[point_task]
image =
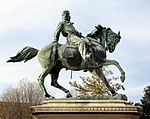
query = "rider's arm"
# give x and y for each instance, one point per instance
(79, 34)
(57, 32)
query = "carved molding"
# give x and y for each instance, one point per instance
(85, 109)
(111, 106)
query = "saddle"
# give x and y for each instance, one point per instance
(73, 57)
(72, 54)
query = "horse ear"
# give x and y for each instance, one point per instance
(96, 27)
(119, 33)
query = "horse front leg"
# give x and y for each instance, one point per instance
(114, 62)
(100, 73)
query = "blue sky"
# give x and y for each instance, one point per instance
(33, 22)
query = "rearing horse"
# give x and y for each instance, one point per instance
(53, 59)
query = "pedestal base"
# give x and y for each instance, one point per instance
(86, 109)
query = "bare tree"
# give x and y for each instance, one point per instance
(16, 102)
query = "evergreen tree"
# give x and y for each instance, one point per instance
(146, 103)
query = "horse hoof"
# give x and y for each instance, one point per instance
(122, 78)
(68, 95)
(114, 94)
(50, 98)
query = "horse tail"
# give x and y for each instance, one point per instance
(24, 54)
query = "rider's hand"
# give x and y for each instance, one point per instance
(80, 35)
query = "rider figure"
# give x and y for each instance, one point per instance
(68, 30)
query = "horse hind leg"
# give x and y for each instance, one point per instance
(54, 77)
(41, 79)
(56, 84)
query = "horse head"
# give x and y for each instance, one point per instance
(112, 39)
(106, 37)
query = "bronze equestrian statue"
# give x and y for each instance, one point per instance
(79, 53)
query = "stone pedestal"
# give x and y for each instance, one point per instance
(86, 109)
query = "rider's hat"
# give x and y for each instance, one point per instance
(65, 12)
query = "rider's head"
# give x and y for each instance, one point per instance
(66, 15)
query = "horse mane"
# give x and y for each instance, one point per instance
(98, 29)
(92, 34)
